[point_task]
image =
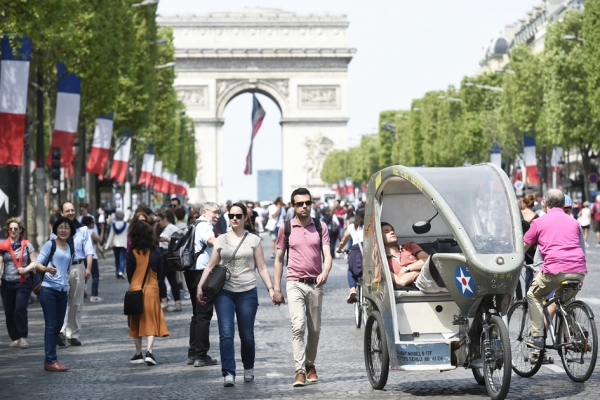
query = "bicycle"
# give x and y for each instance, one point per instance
(573, 335)
(361, 306)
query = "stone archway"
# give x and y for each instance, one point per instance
(300, 62)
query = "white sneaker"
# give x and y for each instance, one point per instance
(248, 375)
(95, 299)
(186, 295)
(229, 380)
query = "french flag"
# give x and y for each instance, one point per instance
(349, 186)
(173, 184)
(157, 176)
(166, 176)
(258, 115)
(100, 145)
(557, 154)
(496, 155)
(147, 168)
(334, 187)
(13, 101)
(121, 157)
(67, 115)
(533, 177)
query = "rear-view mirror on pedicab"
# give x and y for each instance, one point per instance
(475, 254)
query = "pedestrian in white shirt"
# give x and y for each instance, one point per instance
(117, 239)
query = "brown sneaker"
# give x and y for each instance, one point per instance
(300, 379)
(311, 374)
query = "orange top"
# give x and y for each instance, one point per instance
(408, 255)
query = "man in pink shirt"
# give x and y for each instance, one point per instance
(306, 275)
(558, 237)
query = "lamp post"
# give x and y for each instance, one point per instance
(486, 87)
(455, 99)
(167, 65)
(574, 38)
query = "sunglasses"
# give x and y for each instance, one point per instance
(173, 205)
(13, 229)
(303, 203)
(238, 216)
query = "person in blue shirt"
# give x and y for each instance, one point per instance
(54, 293)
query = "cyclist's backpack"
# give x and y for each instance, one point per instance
(287, 230)
(181, 254)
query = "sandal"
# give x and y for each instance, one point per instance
(14, 344)
(24, 344)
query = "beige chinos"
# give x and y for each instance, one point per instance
(305, 305)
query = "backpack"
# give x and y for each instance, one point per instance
(181, 254)
(333, 228)
(39, 277)
(287, 230)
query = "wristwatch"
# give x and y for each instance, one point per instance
(269, 288)
(407, 268)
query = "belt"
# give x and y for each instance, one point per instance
(308, 281)
(78, 261)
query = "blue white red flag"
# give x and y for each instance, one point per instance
(120, 162)
(14, 78)
(533, 178)
(147, 168)
(100, 145)
(258, 115)
(67, 115)
(496, 155)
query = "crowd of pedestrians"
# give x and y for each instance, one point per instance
(227, 235)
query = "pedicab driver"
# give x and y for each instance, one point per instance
(558, 237)
(306, 275)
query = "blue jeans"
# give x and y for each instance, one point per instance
(244, 305)
(54, 305)
(120, 256)
(352, 279)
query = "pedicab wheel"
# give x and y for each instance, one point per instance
(358, 305)
(377, 357)
(526, 361)
(578, 332)
(478, 376)
(497, 359)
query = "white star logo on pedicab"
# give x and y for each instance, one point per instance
(464, 281)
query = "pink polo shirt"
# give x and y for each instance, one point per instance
(305, 250)
(558, 238)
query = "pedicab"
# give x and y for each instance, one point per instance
(467, 219)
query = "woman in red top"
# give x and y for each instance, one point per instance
(405, 260)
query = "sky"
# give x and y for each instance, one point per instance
(405, 48)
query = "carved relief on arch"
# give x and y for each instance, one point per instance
(317, 148)
(193, 96)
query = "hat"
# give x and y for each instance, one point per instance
(568, 201)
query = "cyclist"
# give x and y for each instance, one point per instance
(558, 237)
(354, 231)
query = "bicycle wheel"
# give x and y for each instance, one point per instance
(358, 306)
(526, 361)
(377, 356)
(497, 358)
(581, 342)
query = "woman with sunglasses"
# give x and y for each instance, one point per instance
(239, 295)
(16, 254)
(54, 293)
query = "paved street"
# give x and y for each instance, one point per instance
(101, 369)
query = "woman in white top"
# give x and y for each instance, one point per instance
(585, 220)
(118, 240)
(354, 231)
(166, 221)
(239, 295)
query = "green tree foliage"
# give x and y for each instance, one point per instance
(591, 49)
(401, 153)
(387, 133)
(568, 114)
(335, 166)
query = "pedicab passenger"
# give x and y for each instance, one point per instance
(408, 263)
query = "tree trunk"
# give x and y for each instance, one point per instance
(584, 151)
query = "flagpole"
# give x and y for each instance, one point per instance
(40, 173)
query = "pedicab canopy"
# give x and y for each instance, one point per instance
(477, 208)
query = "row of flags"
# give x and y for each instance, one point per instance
(343, 187)
(14, 75)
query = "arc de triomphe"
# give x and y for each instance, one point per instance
(299, 61)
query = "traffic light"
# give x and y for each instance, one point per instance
(56, 163)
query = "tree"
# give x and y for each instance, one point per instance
(401, 151)
(335, 167)
(387, 131)
(568, 113)
(591, 50)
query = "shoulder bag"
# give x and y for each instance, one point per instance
(133, 303)
(218, 275)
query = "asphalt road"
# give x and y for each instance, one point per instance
(100, 368)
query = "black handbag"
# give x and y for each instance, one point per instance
(218, 275)
(133, 303)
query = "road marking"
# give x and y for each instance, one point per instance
(274, 375)
(555, 368)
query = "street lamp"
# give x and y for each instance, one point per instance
(167, 65)
(504, 71)
(145, 3)
(487, 87)
(573, 37)
(450, 99)
(159, 41)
